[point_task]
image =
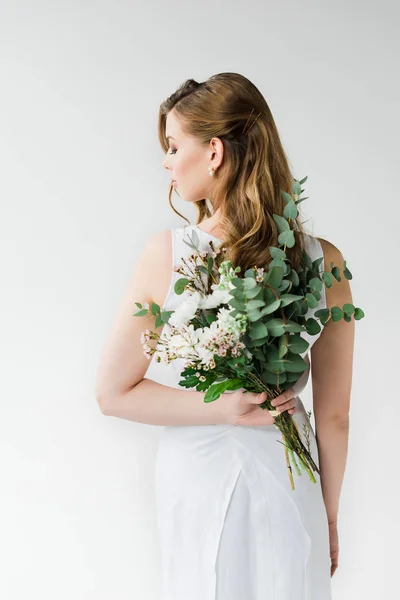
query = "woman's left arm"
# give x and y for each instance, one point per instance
(331, 374)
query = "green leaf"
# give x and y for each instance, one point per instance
(336, 273)
(252, 304)
(250, 273)
(348, 309)
(293, 327)
(237, 293)
(281, 223)
(315, 284)
(283, 347)
(358, 314)
(154, 308)
(258, 330)
(328, 278)
(139, 305)
(308, 263)
(296, 187)
(297, 344)
(287, 299)
(159, 322)
(165, 315)
(140, 313)
(277, 252)
(336, 313)
(276, 327)
(238, 304)
(215, 390)
(274, 277)
(347, 273)
(238, 282)
(270, 308)
(249, 283)
(295, 363)
(210, 262)
(278, 262)
(312, 302)
(210, 318)
(312, 326)
(254, 315)
(274, 362)
(287, 237)
(254, 292)
(322, 314)
(318, 261)
(287, 197)
(290, 211)
(180, 284)
(294, 278)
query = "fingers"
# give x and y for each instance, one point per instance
(285, 401)
(254, 398)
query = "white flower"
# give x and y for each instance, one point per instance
(215, 299)
(186, 310)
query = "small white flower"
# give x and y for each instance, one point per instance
(186, 310)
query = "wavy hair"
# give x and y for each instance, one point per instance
(247, 185)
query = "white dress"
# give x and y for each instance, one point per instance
(230, 526)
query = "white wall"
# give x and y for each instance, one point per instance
(82, 187)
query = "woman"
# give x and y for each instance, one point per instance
(230, 525)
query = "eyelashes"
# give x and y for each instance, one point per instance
(171, 152)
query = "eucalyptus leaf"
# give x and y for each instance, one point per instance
(287, 299)
(276, 327)
(290, 211)
(258, 330)
(328, 278)
(252, 304)
(270, 308)
(295, 363)
(312, 326)
(281, 223)
(277, 252)
(180, 284)
(287, 238)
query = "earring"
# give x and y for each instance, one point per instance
(211, 171)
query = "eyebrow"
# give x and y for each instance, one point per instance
(169, 137)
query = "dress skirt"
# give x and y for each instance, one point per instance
(230, 526)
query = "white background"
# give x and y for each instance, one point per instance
(81, 189)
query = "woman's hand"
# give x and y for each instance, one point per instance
(241, 407)
(333, 544)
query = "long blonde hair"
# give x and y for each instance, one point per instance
(248, 184)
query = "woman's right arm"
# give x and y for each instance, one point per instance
(121, 387)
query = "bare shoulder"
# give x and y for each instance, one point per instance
(340, 292)
(157, 264)
(331, 252)
(158, 243)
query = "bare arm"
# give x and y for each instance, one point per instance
(121, 389)
(331, 372)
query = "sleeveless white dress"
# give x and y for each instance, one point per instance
(230, 526)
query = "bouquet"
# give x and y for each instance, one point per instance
(244, 332)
